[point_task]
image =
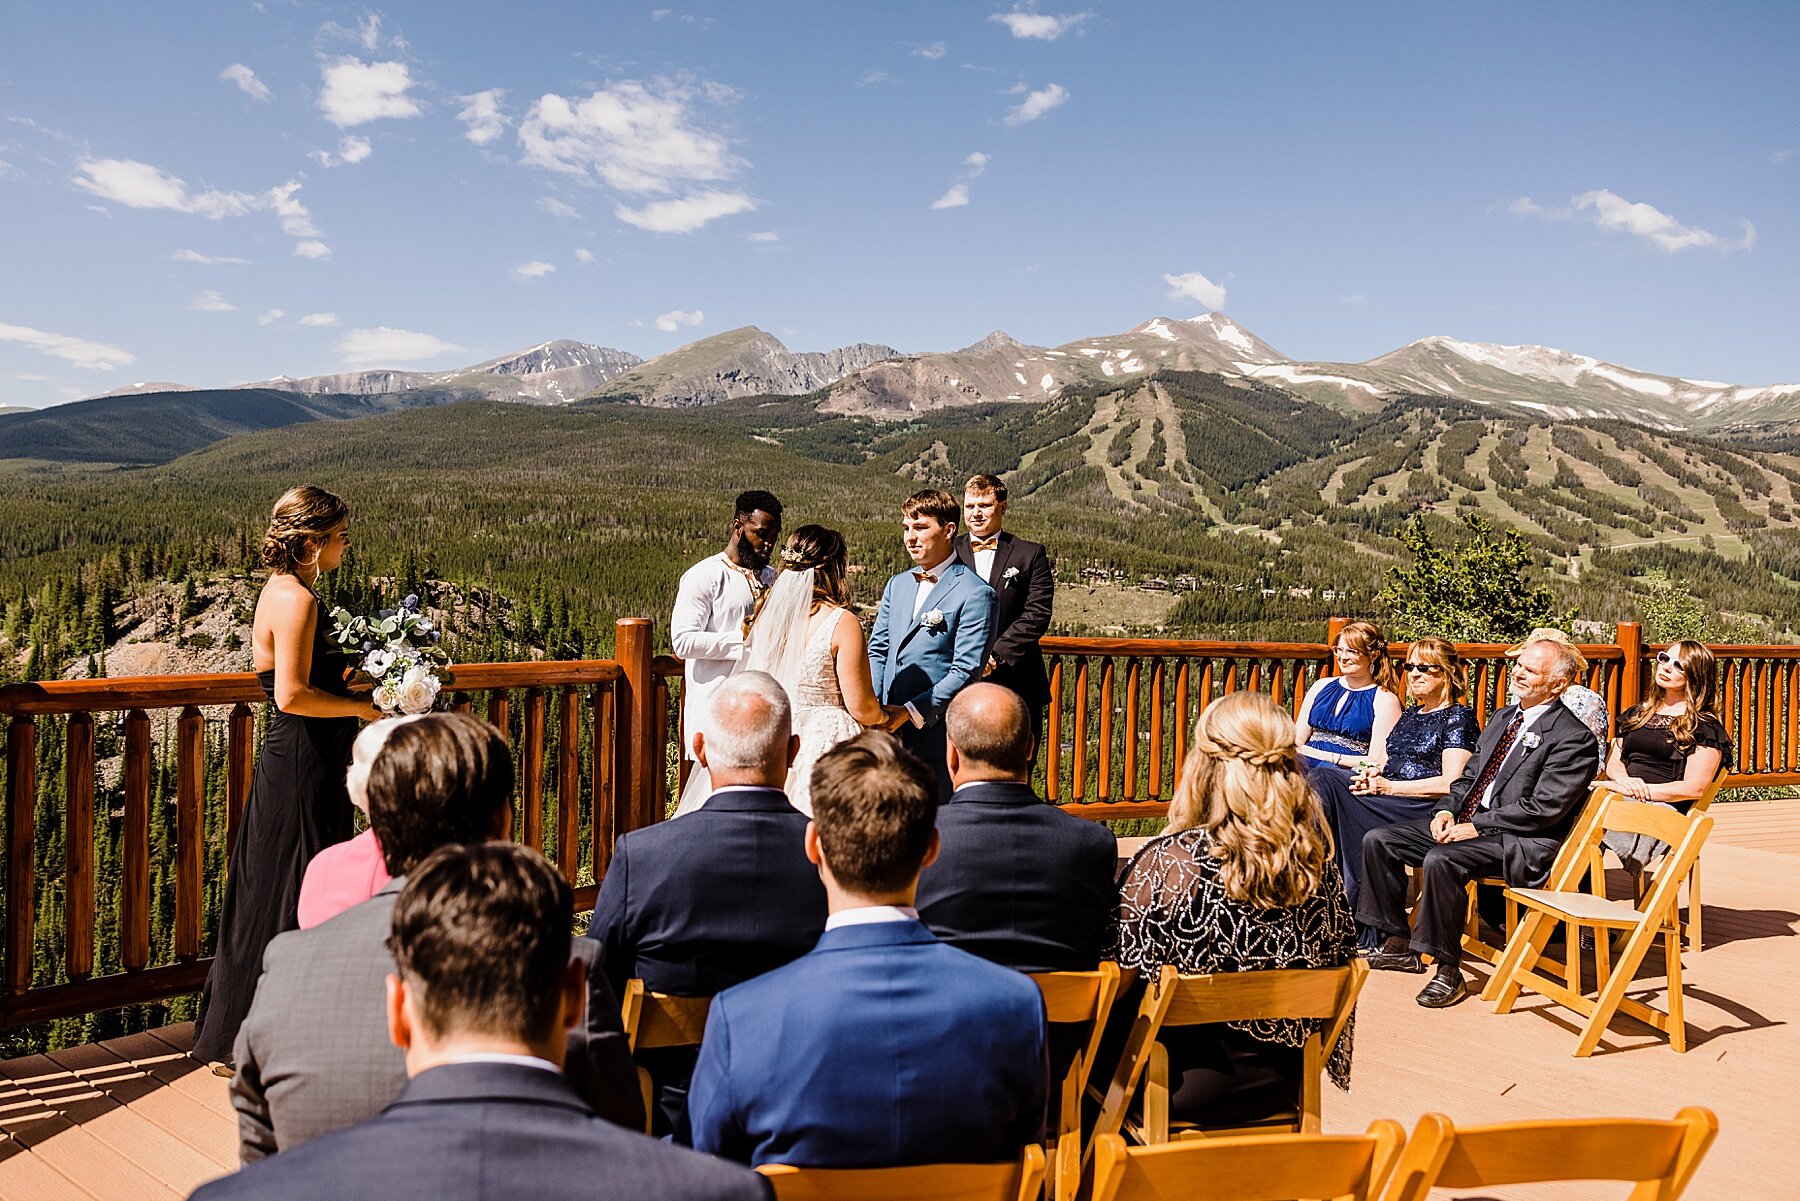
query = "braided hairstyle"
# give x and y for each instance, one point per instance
(303, 518)
(1242, 783)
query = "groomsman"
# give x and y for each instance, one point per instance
(715, 596)
(1019, 573)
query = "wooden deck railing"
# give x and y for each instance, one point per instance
(169, 761)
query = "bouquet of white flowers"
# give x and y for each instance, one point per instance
(400, 653)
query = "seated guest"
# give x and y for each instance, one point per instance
(883, 1046)
(1507, 815)
(483, 996)
(1243, 880)
(1580, 700)
(349, 873)
(1670, 746)
(695, 905)
(1428, 747)
(313, 1055)
(1345, 718)
(1018, 882)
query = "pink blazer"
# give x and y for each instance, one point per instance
(341, 876)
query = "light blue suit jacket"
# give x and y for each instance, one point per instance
(881, 1047)
(915, 661)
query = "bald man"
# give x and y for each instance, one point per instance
(1017, 881)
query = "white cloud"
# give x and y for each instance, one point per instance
(558, 208)
(661, 14)
(1782, 156)
(356, 92)
(142, 186)
(977, 163)
(369, 31)
(535, 269)
(210, 301)
(932, 52)
(296, 221)
(872, 77)
(481, 116)
(1036, 104)
(767, 235)
(1524, 206)
(686, 214)
(1615, 214)
(955, 198)
(319, 320)
(382, 346)
(92, 356)
(246, 80)
(354, 149)
(194, 256)
(311, 249)
(641, 139)
(583, 255)
(1194, 286)
(674, 319)
(269, 316)
(1039, 27)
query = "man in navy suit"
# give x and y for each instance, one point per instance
(933, 630)
(1024, 593)
(695, 905)
(483, 992)
(884, 1046)
(1016, 881)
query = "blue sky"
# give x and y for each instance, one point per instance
(211, 193)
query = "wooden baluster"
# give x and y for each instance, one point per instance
(568, 783)
(1792, 762)
(1759, 755)
(1078, 787)
(1275, 680)
(1103, 790)
(641, 763)
(1231, 677)
(1480, 692)
(1746, 710)
(531, 754)
(1131, 728)
(499, 712)
(1728, 694)
(240, 769)
(190, 829)
(1158, 715)
(78, 846)
(21, 846)
(1255, 675)
(605, 780)
(1631, 667)
(460, 702)
(1053, 733)
(1181, 717)
(134, 902)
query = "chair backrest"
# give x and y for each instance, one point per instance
(1659, 1156)
(1264, 1167)
(1712, 790)
(1018, 1181)
(654, 1019)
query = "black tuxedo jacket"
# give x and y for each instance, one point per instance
(1021, 614)
(1018, 881)
(494, 1131)
(695, 905)
(1538, 794)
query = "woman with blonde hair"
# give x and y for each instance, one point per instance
(1244, 879)
(298, 802)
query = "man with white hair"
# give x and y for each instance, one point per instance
(697, 904)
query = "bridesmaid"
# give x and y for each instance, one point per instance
(298, 802)
(1345, 718)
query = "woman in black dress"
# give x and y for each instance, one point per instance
(298, 803)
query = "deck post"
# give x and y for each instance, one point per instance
(1333, 627)
(640, 763)
(1631, 671)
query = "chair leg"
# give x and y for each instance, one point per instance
(1694, 907)
(1522, 951)
(1156, 1096)
(1677, 1009)
(1643, 937)
(1602, 956)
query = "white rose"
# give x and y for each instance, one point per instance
(377, 662)
(418, 691)
(387, 696)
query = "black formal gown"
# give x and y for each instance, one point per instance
(298, 806)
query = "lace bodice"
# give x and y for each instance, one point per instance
(818, 686)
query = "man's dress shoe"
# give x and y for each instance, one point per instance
(1442, 991)
(1395, 961)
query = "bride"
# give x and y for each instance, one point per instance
(806, 636)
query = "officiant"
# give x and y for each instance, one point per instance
(716, 595)
(1019, 573)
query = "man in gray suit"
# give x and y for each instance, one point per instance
(313, 1054)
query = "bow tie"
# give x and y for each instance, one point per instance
(984, 543)
(924, 577)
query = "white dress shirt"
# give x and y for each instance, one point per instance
(524, 1061)
(1530, 715)
(984, 559)
(707, 630)
(870, 915)
(926, 590)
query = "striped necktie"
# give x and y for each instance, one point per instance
(1491, 768)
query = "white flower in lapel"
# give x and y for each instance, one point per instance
(1530, 739)
(932, 619)
(1006, 577)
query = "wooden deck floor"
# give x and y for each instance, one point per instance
(135, 1118)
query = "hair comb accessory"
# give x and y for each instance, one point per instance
(791, 556)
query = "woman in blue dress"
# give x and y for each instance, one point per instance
(1345, 718)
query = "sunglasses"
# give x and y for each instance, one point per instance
(1430, 669)
(1664, 657)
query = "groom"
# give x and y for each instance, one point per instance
(932, 633)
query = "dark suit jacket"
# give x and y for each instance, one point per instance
(313, 1054)
(1018, 881)
(1538, 794)
(486, 1131)
(1022, 614)
(882, 1047)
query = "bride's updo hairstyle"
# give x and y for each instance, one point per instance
(824, 551)
(1242, 782)
(303, 518)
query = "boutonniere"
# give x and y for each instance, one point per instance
(1531, 740)
(932, 619)
(1006, 577)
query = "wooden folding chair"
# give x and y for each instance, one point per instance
(1071, 997)
(1659, 1157)
(1264, 1167)
(1657, 918)
(1690, 929)
(654, 1020)
(1018, 1181)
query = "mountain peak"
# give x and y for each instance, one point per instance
(998, 340)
